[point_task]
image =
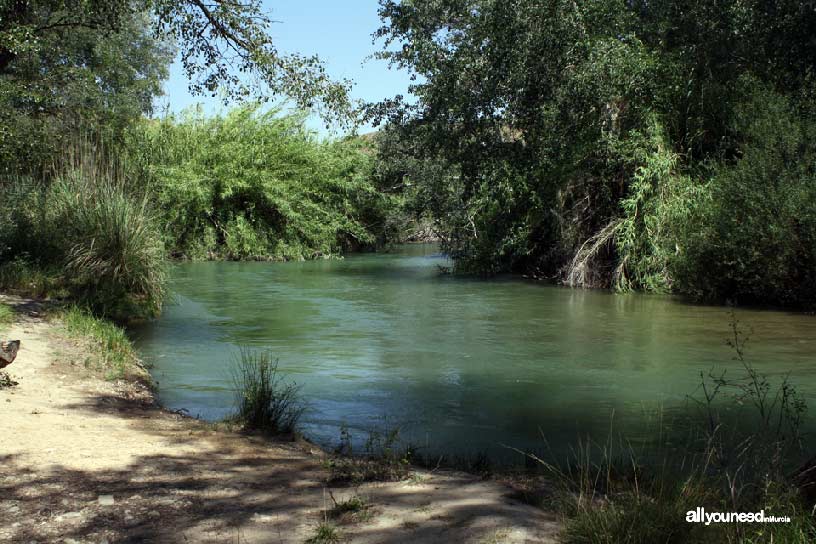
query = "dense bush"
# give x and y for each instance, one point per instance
(257, 185)
(85, 235)
(752, 239)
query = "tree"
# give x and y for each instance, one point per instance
(224, 44)
(585, 136)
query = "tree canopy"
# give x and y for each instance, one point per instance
(577, 138)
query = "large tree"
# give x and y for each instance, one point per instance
(80, 69)
(578, 139)
(225, 44)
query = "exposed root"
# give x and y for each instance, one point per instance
(581, 273)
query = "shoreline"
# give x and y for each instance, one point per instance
(95, 460)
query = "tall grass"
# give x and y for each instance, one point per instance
(115, 254)
(84, 234)
(614, 493)
(265, 400)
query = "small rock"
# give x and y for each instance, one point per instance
(153, 514)
(69, 515)
(105, 500)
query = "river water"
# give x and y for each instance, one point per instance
(459, 365)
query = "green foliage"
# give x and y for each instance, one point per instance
(69, 80)
(659, 198)
(753, 239)
(256, 185)
(220, 44)
(6, 315)
(325, 533)
(584, 141)
(109, 349)
(265, 401)
(85, 234)
(114, 251)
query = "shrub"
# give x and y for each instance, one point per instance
(266, 402)
(325, 533)
(86, 235)
(753, 238)
(258, 185)
(353, 509)
(382, 459)
(113, 252)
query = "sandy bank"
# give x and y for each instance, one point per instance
(88, 460)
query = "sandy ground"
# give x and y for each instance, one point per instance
(86, 460)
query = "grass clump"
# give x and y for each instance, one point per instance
(381, 460)
(352, 510)
(110, 350)
(85, 235)
(114, 254)
(266, 402)
(325, 533)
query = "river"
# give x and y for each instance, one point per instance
(459, 365)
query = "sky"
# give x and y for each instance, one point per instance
(337, 31)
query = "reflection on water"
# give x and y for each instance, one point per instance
(460, 364)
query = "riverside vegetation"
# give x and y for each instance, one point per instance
(631, 145)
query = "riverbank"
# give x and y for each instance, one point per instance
(85, 459)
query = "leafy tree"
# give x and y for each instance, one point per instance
(221, 43)
(85, 69)
(583, 137)
(254, 185)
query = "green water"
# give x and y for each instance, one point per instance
(459, 365)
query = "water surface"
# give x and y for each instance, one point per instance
(458, 364)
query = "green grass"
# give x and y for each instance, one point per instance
(109, 349)
(20, 277)
(113, 254)
(265, 401)
(86, 235)
(325, 533)
(6, 316)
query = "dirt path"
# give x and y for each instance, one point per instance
(85, 460)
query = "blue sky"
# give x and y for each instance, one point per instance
(338, 31)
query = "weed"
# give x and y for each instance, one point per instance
(352, 510)
(6, 315)
(325, 533)
(382, 458)
(110, 350)
(265, 401)
(615, 494)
